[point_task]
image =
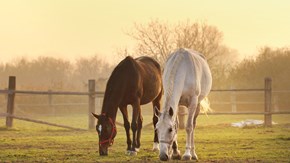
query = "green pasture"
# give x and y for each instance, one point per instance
(216, 141)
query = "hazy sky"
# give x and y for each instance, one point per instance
(79, 28)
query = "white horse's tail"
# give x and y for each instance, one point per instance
(205, 106)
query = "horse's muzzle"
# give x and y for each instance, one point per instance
(103, 152)
(163, 157)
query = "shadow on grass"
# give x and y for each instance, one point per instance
(4, 128)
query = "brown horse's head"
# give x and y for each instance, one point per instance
(107, 131)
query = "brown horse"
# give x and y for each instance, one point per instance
(133, 82)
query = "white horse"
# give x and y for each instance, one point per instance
(187, 81)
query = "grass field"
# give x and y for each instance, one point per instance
(216, 141)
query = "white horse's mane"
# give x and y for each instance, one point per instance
(169, 89)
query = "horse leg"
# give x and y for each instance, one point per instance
(134, 125)
(176, 153)
(189, 128)
(140, 123)
(156, 105)
(194, 156)
(126, 126)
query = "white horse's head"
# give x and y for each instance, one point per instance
(167, 133)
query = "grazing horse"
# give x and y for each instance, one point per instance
(187, 81)
(133, 82)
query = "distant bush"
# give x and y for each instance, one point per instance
(274, 63)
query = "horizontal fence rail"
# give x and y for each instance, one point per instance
(237, 90)
(58, 104)
(245, 113)
(92, 94)
(41, 122)
(50, 92)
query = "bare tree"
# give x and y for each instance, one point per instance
(158, 39)
(201, 37)
(124, 52)
(154, 39)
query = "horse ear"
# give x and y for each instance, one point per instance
(156, 112)
(95, 115)
(171, 111)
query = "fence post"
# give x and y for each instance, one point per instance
(10, 101)
(6, 95)
(92, 90)
(50, 102)
(268, 96)
(276, 103)
(233, 100)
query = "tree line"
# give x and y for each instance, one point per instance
(46, 73)
(270, 62)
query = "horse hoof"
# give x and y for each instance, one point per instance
(133, 153)
(194, 157)
(128, 152)
(137, 149)
(176, 157)
(186, 157)
(155, 149)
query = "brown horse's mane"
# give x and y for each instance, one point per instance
(117, 85)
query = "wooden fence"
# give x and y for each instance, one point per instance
(11, 92)
(92, 93)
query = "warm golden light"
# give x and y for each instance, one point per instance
(73, 29)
